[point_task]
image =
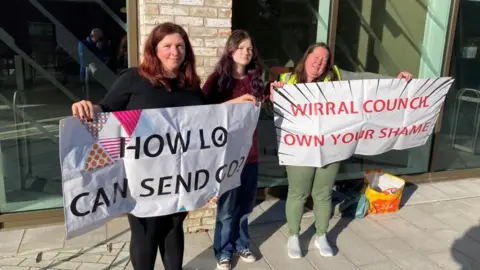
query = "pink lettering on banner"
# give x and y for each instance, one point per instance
(348, 107)
(327, 108)
(304, 140)
(353, 137)
(349, 137)
(404, 131)
(380, 105)
(355, 117)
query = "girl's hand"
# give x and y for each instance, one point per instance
(273, 85)
(85, 110)
(405, 75)
(243, 99)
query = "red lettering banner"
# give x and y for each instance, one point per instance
(321, 123)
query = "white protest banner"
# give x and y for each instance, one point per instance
(321, 123)
(151, 162)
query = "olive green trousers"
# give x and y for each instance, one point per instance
(306, 181)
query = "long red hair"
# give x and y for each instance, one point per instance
(151, 67)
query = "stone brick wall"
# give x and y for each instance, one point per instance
(208, 24)
(201, 220)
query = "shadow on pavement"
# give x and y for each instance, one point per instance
(466, 250)
(408, 192)
(334, 232)
(86, 250)
(261, 229)
(206, 259)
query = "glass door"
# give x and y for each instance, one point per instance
(52, 53)
(458, 145)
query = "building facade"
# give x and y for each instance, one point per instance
(44, 68)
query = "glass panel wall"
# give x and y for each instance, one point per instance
(52, 53)
(458, 145)
(387, 37)
(282, 29)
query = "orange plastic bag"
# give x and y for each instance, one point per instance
(384, 192)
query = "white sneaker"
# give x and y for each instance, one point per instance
(293, 246)
(247, 256)
(224, 264)
(322, 244)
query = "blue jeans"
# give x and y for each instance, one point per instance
(234, 206)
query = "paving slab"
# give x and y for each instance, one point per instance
(10, 243)
(355, 248)
(273, 249)
(403, 255)
(42, 238)
(453, 260)
(93, 238)
(437, 228)
(118, 230)
(421, 219)
(340, 261)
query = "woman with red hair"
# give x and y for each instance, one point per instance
(166, 78)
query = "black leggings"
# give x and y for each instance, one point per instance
(153, 233)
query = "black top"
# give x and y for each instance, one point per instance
(133, 92)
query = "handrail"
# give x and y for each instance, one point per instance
(87, 83)
(112, 14)
(106, 8)
(10, 42)
(69, 42)
(19, 154)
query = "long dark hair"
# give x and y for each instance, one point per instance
(152, 69)
(301, 74)
(224, 67)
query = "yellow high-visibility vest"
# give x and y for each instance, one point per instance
(290, 78)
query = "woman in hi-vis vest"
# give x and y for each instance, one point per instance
(315, 66)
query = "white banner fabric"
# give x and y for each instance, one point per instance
(321, 123)
(151, 162)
